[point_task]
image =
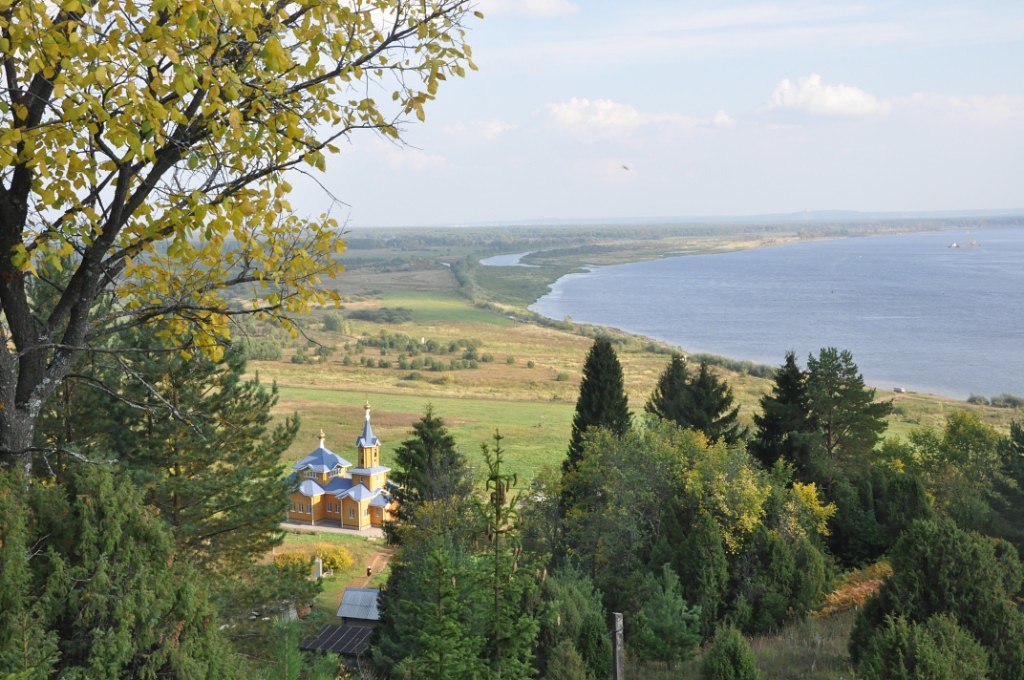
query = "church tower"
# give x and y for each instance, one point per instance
(368, 446)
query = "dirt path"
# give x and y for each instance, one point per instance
(378, 563)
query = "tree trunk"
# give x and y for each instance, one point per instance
(17, 430)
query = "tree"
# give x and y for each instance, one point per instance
(602, 401)
(936, 649)
(572, 618)
(90, 586)
(849, 421)
(671, 398)
(666, 629)
(784, 426)
(931, 577)
(729, 658)
(194, 435)
(145, 148)
(428, 467)
(711, 409)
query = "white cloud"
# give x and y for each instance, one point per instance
(722, 119)
(408, 158)
(810, 95)
(541, 9)
(480, 129)
(604, 118)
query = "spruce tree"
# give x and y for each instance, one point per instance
(602, 401)
(712, 411)
(671, 398)
(428, 467)
(666, 629)
(784, 426)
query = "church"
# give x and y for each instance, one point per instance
(327, 487)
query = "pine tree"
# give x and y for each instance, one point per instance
(784, 426)
(428, 467)
(671, 398)
(197, 437)
(712, 411)
(602, 401)
(849, 421)
(704, 571)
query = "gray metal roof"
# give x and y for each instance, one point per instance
(321, 460)
(369, 471)
(310, 488)
(359, 603)
(358, 493)
(345, 640)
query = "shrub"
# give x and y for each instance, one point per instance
(332, 322)
(335, 557)
(562, 377)
(937, 649)
(382, 315)
(729, 658)
(261, 349)
(293, 558)
(510, 359)
(566, 664)
(531, 364)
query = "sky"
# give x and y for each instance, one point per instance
(601, 109)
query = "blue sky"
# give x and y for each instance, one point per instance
(715, 107)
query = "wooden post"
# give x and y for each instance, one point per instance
(618, 649)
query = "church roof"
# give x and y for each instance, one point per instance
(369, 471)
(358, 493)
(380, 501)
(310, 488)
(338, 486)
(367, 438)
(321, 460)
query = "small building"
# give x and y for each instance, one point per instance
(359, 607)
(328, 487)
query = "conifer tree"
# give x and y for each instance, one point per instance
(849, 421)
(602, 401)
(666, 629)
(671, 397)
(104, 594)
(712, 409)
(784, 426)
(429, 468)
(196, 436)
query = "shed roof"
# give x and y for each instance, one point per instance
(359, 603)
(346, 640)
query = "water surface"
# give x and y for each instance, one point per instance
(914, 312)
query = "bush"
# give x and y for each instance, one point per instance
(510, 359)
(261, 349)
(293, 558)
(332, 322)
(531, 364)
(562, 377)
(382, 315)
(566, 664)
(729, 658)
(335, 557)
(937, 649)
(941, 569)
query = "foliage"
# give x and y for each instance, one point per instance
(144, 149)
(194, 435)
(90, 586)
(784, 428)
(712, 411)
(261, 349)
(665, 629)
(729, 658)
(572, 618)
(848, 420)
(443, 645)
(670, 399)
(774, 580)
(566, 664)
(602, 402)
(872, 511)
(388, 315)
(929, 579)
(936, 649)
(334, 557)
(332, 322)
(294, 558)
(703, 569)
(428, 468)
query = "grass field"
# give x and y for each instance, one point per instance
(530, 400)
